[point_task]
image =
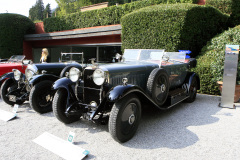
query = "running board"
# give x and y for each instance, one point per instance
(174, 97)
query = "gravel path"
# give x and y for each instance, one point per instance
(198, 131)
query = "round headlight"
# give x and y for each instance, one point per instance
(98, 77)
(74, 74)
(17, 74)
(29, 74)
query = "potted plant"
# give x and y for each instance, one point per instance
(237, 90)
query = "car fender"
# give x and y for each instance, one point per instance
(66, 84)
(6, 76)
(41, 77)
(120, 91)
(62, 83)
(115, 94)
(189, 79)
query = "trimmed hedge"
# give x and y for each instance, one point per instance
(172, 27)
(100, 17)
(13, 27)
(211, 60)
(231, 7)
(224, 6)
(235, 16)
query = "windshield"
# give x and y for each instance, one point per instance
(176, 56)
(131, 54)
(77, 57)
(142, 54)
(16, 58)
(153, 55)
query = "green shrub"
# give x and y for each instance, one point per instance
(235, 16)
(211, 60)
(100, 17)
(231, 7)
(13, 27)
(172, 27)
(224, 6)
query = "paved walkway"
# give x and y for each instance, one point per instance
(200, 130)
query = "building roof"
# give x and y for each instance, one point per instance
(94, 6)
(76, 33)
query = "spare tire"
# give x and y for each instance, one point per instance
(158, 86)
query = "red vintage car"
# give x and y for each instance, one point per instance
(14, 62)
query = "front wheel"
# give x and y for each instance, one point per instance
(41, 97)
(60, 105)
(8, 86)
(124, 118)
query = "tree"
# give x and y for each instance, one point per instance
(68, 6)
(47, 11)
(72, 6)
(36, 12)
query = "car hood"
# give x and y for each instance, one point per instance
(7, 67)
(128, 67)
(10, 64)
(51, 68)
(136, 72)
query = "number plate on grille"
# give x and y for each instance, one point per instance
(12, 98)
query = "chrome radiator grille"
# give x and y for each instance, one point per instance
(91, 90)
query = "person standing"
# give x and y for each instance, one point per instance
(44, 57)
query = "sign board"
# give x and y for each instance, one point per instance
(6, 116)
(61, 147)
(229, 76)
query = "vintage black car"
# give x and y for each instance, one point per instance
(35, 85)
(114, 93)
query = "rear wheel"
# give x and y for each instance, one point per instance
(41, 97)
(158, 85)
(124, 118)
(8, 86)
(60, 105)
(192, 91)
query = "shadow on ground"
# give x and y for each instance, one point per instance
(160, 129)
